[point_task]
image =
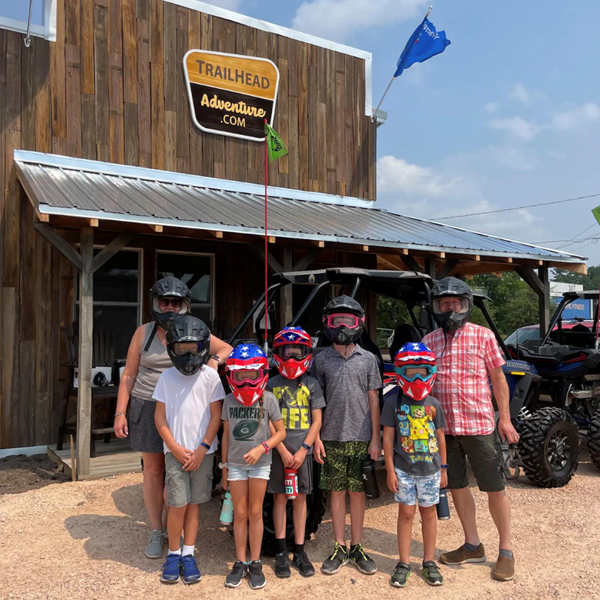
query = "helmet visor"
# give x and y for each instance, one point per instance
(293, 351)
(343, 320)
(246, 375)
(182, 348)
(412, 372)
(456, 304)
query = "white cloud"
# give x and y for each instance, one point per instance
(519, 93)
(228, 4)
(339, 19)
(491, 107)
(513, 158)
(575, 118)
(516, 126)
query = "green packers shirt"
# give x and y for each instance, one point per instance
(249, 427)
(297, 399)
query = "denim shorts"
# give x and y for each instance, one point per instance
(243, 473)
(425, 488)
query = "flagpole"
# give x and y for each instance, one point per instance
(266, 342)
(387, 89)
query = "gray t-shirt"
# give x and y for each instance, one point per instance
(346, 382)
(249, 427)
(415, 423)
(297, 399)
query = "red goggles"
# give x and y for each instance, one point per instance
(343, 320)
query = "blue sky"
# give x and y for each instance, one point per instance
(508, 115)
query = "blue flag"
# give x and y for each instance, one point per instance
(424, 43)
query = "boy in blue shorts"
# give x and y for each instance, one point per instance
(415, 455)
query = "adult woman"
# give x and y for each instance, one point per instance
(147, 358)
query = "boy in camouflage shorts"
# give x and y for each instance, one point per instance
(350, 379)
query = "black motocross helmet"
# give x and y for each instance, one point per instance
(448, 287)
(343, 320)
(169, 287)
(188, 343)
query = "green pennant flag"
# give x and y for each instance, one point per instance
(596, 213)
(275, 146)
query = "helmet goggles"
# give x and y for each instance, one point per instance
(348, 320)
(413, 372)
(183, 348)
(293, 351)
(246, 376)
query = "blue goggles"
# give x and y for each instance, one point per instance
(413, 372)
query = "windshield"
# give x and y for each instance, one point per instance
(522, 335)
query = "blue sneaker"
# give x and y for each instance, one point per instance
(190, 573)
(171, 569)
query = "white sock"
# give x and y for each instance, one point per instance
(178, 551)
(188, 550)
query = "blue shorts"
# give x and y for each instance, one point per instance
(243, 473)
(425, 488)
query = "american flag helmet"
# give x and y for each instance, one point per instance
(247, 373)
(415, 366)
(292, 351)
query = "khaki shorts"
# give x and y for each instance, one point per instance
(188, 487)
(485, 457)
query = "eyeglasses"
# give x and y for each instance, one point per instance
(343, 320)
(174, 302)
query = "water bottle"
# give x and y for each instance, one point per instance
(291, 483)
(442, 507)
(370, 479)
(227, 510)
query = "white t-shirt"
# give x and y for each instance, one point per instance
(187, 400)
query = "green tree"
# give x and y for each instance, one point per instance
(591, 281)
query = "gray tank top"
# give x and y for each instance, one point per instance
(152, 364)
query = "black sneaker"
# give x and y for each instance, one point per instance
(336, 561)
(401, 575)
(257, 577)
(362, 561)
(238, 572)
(432, 573)
(303, 564)
(282, 565)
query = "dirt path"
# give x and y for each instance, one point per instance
(69, 541)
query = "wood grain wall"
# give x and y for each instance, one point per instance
(112, 89)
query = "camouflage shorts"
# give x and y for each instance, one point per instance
(342, 469)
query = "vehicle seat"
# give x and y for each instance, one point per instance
(404, 334)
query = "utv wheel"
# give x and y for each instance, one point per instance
(549, 447)
(315, 509)
(594, 439)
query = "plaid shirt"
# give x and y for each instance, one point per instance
(464, 361)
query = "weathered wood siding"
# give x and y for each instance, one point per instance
(112, 89)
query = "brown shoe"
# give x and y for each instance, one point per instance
(462, 556)
(504, 569)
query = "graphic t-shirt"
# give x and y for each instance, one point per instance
(187, 400)
(297, 398)
(415, 423)
(249, 427)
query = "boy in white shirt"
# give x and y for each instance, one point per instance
(188, 416)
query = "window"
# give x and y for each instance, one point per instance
(196, 271)
(15, 16)
(117, 298)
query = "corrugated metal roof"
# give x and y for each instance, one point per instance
(65, 186)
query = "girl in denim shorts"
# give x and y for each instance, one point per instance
(246, 446)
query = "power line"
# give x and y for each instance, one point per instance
(489, 212)
(576, 236)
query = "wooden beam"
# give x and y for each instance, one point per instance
(531, 279)
(365, 248)
(412, 264)
(157, 228)
(404, 251)
(544, 301)
(93, 222)
(389, 262)
(430, 266)
(86, 335)
(273, 262)
(285, 294)
(217, 234)
(580, 268)
(115, 246)
(58, 242)
(306, 261)
(482, 268)
(272, 239)
(44, 218)
(447, 268)
(319, 243)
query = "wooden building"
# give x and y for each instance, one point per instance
(106, 184)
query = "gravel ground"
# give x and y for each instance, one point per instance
(85, 541)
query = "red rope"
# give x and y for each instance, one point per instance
(266, 237)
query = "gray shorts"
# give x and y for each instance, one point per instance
(143, 435)
(188, 487)
(305, 476)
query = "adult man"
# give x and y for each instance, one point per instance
(467, 358)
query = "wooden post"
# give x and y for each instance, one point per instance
(286, 312)
(430, 266)
(86, 326)
(544, 299)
